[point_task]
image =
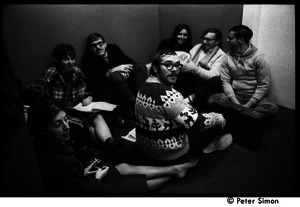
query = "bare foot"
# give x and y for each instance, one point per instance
(184, 167)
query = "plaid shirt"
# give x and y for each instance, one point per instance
(52, 84)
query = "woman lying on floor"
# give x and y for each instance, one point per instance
(64, 174)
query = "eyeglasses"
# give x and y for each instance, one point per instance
(207, 39)
(100, 44)
(170, 66)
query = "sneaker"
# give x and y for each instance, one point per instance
(219, 144)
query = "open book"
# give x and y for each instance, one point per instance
(96, 106)
(130, 136)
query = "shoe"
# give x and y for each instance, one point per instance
(219, 144)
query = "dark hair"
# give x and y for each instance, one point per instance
(93, 37)
(242, 31)
(178, 29)
(158, 57)
(62, 51)
(214, 30)
(40, 114)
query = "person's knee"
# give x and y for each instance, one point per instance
(116, 77)
(98, 119)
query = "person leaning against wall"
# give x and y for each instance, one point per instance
(245, 73)
(111, 74)
(65, 84)
(200, 76)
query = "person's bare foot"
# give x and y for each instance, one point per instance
(184, 167)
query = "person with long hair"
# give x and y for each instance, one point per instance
(181, 39)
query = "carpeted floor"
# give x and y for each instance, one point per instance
(267, 171)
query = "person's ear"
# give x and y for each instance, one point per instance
(154, 67)
(241, 40)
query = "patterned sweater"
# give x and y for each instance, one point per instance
(162, 118)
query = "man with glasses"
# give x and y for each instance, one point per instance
(110, 74)
(168, 130)
(199, 76)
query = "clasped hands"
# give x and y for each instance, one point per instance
(100, 173)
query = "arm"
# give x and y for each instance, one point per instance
(193, 120)
(263, 79)
(204, 62)
(189, 118)
(226, 80)
(191, 67)
(118, 61)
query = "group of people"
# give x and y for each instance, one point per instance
(172, 129)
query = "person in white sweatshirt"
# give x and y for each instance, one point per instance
(245, 73)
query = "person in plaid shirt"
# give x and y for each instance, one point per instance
(65, 84)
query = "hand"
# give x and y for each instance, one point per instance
(188, 66)
(125, 75)
(101, 172)
(88, 171)
(183, 58)
(126, 68)
(247, 105)
(87, 101)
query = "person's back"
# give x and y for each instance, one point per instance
(168, 130)
(157, 106)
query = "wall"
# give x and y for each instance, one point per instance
(199, 18)
(31, 32)
(274, 34)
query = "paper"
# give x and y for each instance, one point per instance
(96, 106)
(130, 136)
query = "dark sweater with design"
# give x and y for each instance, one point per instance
(162, 118)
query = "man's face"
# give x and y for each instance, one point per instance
(233, 42)
(59, 129)
(167, 71)
(98, 47)
(209, 41)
